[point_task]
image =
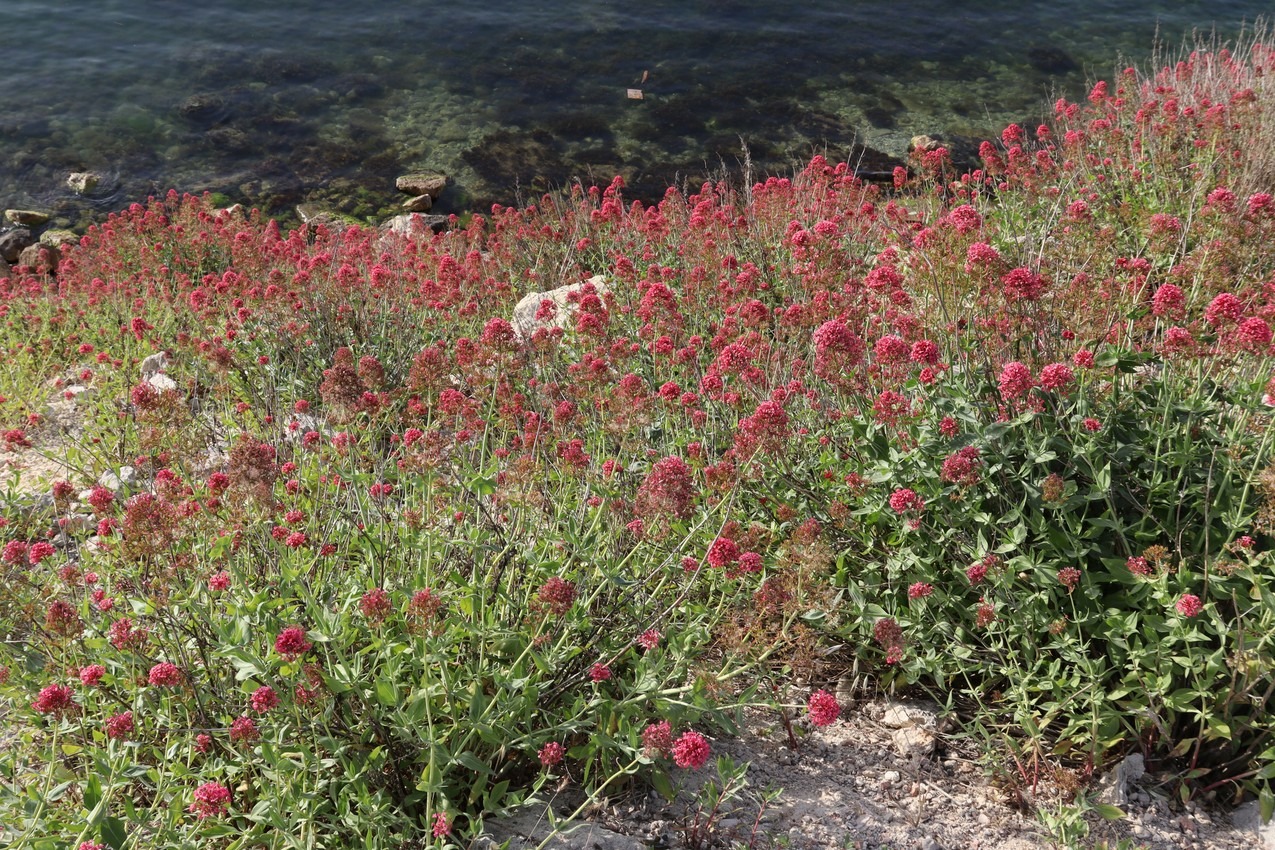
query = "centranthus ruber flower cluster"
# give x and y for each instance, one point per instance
(937, 433)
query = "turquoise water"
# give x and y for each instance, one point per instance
(273, 104)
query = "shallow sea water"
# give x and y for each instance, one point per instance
(273, 104)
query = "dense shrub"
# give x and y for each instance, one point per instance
(390, 563)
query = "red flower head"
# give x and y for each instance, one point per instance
(904, 500)
(1252, 335)
(690, 750)
(375, 605)
(551, 754)
(15, 552)
(962, 467)
(557, 595)
(669, 490)
(1223, 309)
(823, 708)
(123, 635)
(657, 739)
(925, 352)
(62, 619)
(244, 729)
(422, 608)
(1016, 380)
(889, 634)
(649, 639)
(165, 674)
(263, 699)
(54, 699)
(1189, 605)
(837, 349)
(723, 552)
(1169, 302)
(39, 551)
(1024, 285)
(120, 726)
(212, 799)
(891, 349)
(1069, 577)
(920, 590)
(1056, 376)
(291, 643)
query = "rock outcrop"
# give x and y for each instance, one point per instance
(524, 319)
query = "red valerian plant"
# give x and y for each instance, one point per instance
(210, 800)
(965, 429)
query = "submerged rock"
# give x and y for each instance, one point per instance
(203, 107)
(27, 218)
(510, 160)
(1051, 60)
(83, 182)
(229, 139)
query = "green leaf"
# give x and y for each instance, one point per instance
(482, 486)
(92, 792)
(660, 782)
(494, 799)
(1108, 812)
(58, 792)
(431, 781)
(113, 833)
(474, 763)
(247, 666)
(386, 693)
(477, 702)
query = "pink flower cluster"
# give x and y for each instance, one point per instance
(823, 708)
(210, 800)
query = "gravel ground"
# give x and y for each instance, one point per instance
(885, 775)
